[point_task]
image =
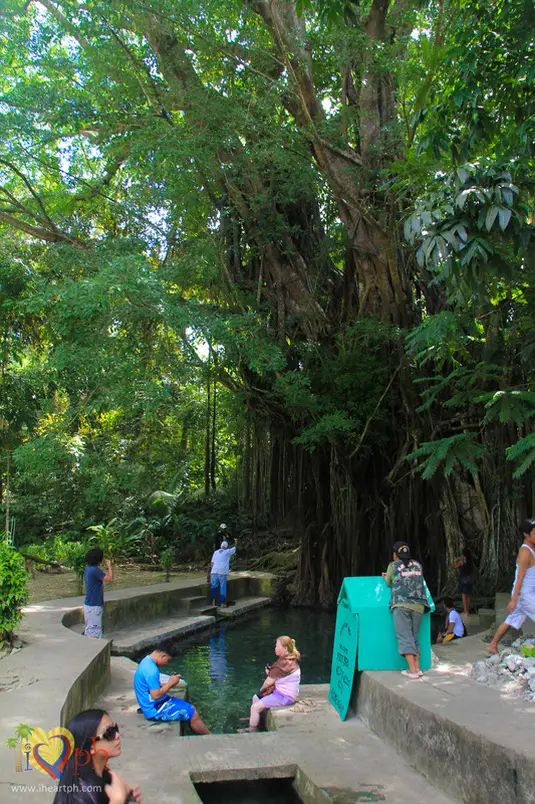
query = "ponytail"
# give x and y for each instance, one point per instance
(289, 643)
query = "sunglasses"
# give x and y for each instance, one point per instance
(110, 733)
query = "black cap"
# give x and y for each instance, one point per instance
(402, 549)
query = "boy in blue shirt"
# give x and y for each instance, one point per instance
(94, 577)
(153, 696)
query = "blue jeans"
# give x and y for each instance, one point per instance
(221, 581)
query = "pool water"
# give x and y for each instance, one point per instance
(224, 669)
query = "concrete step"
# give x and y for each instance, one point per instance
(487, 617)
(209, 611)
(193, 603)
(242, 606)
(132, 640)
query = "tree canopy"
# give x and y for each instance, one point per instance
(276, 250)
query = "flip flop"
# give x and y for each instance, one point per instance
(408, 674)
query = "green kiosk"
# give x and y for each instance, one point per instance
(364, 637)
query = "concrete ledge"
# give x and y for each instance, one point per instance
(126, 607)
(469, 740)
(330, 761)
(133, 640)
(59, 672)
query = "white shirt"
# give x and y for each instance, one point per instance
(221, 560)
(455, 618)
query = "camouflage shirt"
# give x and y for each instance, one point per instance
(407, 582)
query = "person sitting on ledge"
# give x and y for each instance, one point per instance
(153, 696)
(454, 625)
(281, 687)
(407, 604)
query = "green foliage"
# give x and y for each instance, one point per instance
(170, 224)
(37, 550)
(464, 225)
(524, 451)
(13, 589)
(460, 451)
(167, 559)
(75, 558)
(118, 540)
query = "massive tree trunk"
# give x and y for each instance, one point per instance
(376, 281)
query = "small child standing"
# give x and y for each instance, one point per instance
(94, 577)
(454, 625)
(281, 687)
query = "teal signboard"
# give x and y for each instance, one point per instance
(344, 659)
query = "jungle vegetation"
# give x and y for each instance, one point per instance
(273, 261)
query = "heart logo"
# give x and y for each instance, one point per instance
(50, 750)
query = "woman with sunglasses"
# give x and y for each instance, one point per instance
(86, 778)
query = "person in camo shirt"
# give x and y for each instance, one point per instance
(407, 604)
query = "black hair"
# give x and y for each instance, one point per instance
(527, 526)
(78, 772)
(468, 558)
(448, 602)
(165, 646)
(94, 556)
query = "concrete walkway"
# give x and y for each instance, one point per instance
(334, 761)
(59, 673)
(448, 721)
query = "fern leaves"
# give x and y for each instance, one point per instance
(460, 450)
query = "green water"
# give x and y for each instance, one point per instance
(224, 669)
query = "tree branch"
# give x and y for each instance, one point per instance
(38, 232)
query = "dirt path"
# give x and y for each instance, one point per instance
(52, 585)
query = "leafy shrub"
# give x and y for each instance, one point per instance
(167, 559)
(75, 559)
(117, 540)
(59, 549)
(13, 589)
(37, 550)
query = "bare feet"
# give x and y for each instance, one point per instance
(248, 730)
(493, 648)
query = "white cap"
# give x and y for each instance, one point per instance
(224, 545)
(222, 526)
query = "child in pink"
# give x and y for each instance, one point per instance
(281, 687)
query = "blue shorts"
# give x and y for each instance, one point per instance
(174, 709)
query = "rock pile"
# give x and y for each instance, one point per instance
(512, 670)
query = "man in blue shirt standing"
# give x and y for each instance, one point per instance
(153, 695)
(221, 568)
(94, 577)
